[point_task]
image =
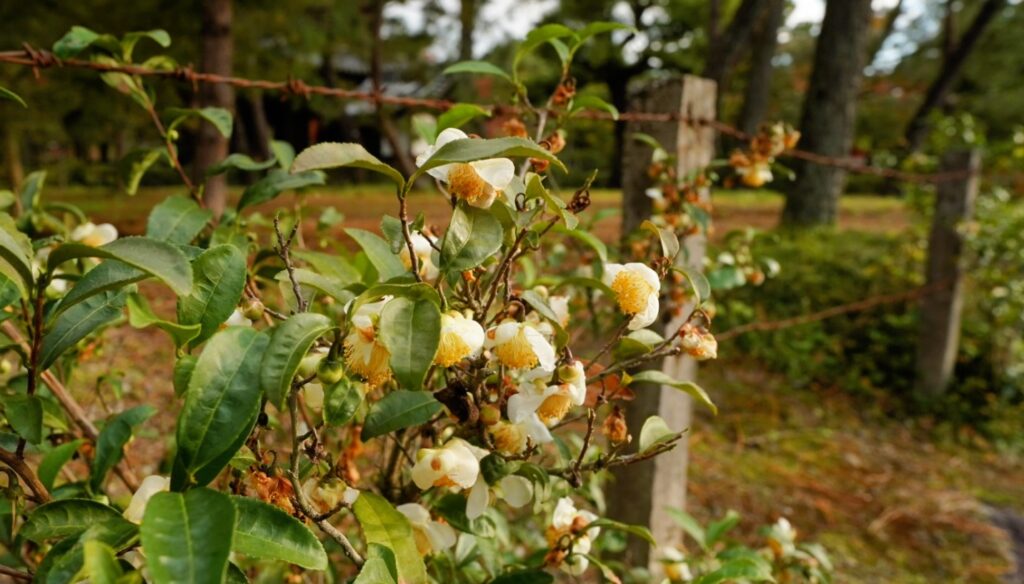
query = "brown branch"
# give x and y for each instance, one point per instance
(28, 476)
(16, 574)
(283, 246)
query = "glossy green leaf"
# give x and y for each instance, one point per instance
(470, 150)
(73, 42)
(101, 565)
(654, 432)
(276, 182)
(383, 525)
(140, 315)
(666, 237)
(138, 164)
(221, 404)
(66, 566)
(746, 568)
(177, 220)
(218, 117)
(380, 566)
(54, 460)
(322, 284)
(67, 517)
(460, 114)
(410, 328)
(25, 414)
(689, 387)
(636, 343)
(399, 409)
(183, 368)
(188, 537)
(112, 439)
(599, 27)
(387, 264)
(592, 102)
(265, 531)
(290, 342)
(159, 258)
(537, 37)
(328, 155)
(216, 290)
(637, 530)
(588, 239)
(240, 162)
(77, 322)
(109, 275)
(11, 96)
(341, 402)
(473, 236)
(16, 250)
(477, 67)
(690, 525)
(698, 283)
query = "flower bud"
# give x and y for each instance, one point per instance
(489, 415)
(329, 371)
(252, 308)
(614, 427)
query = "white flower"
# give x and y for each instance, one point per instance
(560, 306)
(782, 537)
(461, 338)
(479, 182)
(237, 319)
(658, 200)
(431, 536)
(515, 490)
(150, 486)
(454, 465)
(328, 495)
(94, 235)
(569, 521)
(423, 250)
(674, 563)
(510, 438)
(698, 342)
(756, 174)
(520, 346)
(365, 354)
(636, 288)
(548, 404)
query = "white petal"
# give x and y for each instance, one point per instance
(107, 233)
(610, 271)
(536, 429)
(647, 317)
(564, 514)
(462, 466)
(541, 348)
(150, 486)
(486, 202)
(498, 172)
(523, 405)
(516, 490)
(449, 135)
(645, 272)
(440, 535)
(501, 334)
(416, 514)
(479, 497)
(423, 473)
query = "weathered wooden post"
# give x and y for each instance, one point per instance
(641, 493)
(940, 308)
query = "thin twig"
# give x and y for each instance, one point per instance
(28, 476)
(283, 246)
(16, 574)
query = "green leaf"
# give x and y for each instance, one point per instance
(25, 414)
(219, 117)
(636, 343)
(77, 322)
(157, 35)
(110, 443)
(221, 404)
(459, 114)
(54, 460)
(15, 249)
(11, 96)
(668, 239)
(378, 251)
(177, 220)
(73, 42)
(138, 164)
(691, 388)
(101, 565)
(383, 525)
(108, 275)
(410, 328)
(399, 409)
(158, 258)
(240, 162)
(718, 529)
(31, 189)
(599, 27)
(188, 537)
(473, 149)
(637, 530)
(747, 568)
(595, 103)
(654, 432)
(726, 278)
(690, 525)
(216, 290)
(283, 152)
(235, 575)
(477, 67)
(524, 577)
(380, 566)
(329, 155)
(66, 566)
(67, 517)
(588, 239)
(700, 285)
(276, 182)
(266, 532)
(341, 402)
(539, 36)
(532, 298)
(473, 236)
(140, 316)
(322, 284)
(290, 342)
(183, 368)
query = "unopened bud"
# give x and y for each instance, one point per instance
(614, 427)
(252, 308)
(489, 415)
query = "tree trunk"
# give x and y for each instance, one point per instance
(467, 21)
(387, 127)
(829, 112)
(723, 53)
(262, 133)
(12, 157)
(887, 28)
(757, 94)
(217, 52)
(917, 129)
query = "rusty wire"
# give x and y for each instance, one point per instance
(42, 59)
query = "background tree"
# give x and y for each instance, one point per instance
(216, 55)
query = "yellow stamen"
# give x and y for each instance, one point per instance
(374, 367)
(451, 350)
(554, 408)
(517, 352)
(465, 183)
(632, 292)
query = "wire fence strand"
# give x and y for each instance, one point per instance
(39, 59)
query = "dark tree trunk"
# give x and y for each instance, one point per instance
(829, 112)
(917, 129)
(757, 94)
(262, 133)
(387, 127)
(729, 45)
(467, 22)
(217, 52)
(12, 157)
(887, 28)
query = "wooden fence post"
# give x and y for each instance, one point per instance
(940, 309)
(641, 493)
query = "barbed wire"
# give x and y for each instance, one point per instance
(39, 59)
